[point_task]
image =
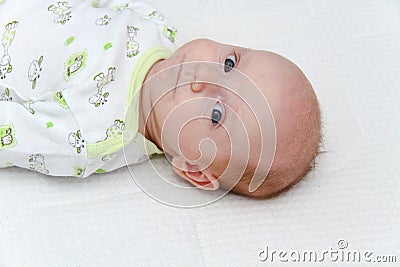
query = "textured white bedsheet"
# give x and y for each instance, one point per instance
(350, 50)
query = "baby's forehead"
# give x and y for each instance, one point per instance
(260, 62)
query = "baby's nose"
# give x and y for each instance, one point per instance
(197, 86)
(203, 75)
(200, 86)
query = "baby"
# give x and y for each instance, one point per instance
(90, 87)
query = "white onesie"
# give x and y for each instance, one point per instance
(70, 79)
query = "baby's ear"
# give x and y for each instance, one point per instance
(203, 179)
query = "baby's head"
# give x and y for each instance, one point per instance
(271, 122)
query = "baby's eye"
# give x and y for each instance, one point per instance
(230, 62)
(216, 114)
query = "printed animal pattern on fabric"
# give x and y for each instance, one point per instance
(34, 71)
(132, 47)
(7, 136)
(155, 17)
(28, 106)
(7, 39)
(59, 98)
(168, 31)
(116, 129)
(72, 80)
(107, 157)
(36, 163)
(103, 21)
(75, 63)
(62, 11)
(5, 96)
(76, 140)
(79, 171)
(100, 98)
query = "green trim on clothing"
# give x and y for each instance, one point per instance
(102, 148)
(145, 62)
(114, 144)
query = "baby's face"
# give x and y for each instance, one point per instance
(217, 116)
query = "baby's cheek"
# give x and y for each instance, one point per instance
(199, 141)
(217, 150)
(223, 142)
(189, 139)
